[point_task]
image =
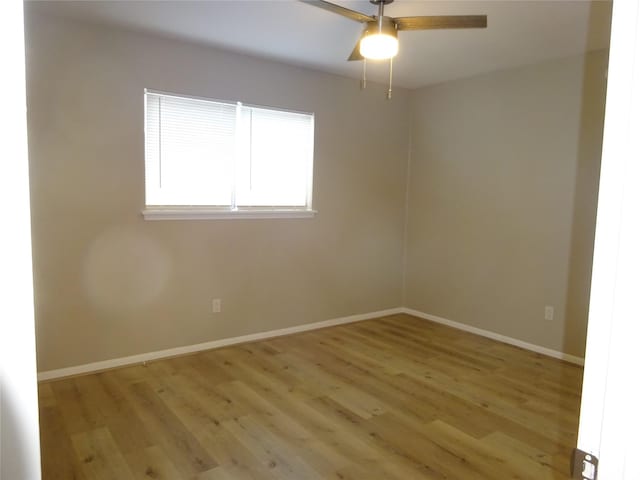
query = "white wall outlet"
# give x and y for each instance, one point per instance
(216, 305)
(548, 312)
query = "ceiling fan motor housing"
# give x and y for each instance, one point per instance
(383, 25)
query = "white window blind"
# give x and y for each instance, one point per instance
(226, 155)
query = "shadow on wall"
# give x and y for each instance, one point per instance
(15, 461)
(585, 201)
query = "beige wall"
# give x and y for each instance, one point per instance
(502, 192)
(109, 284)
(503, 186)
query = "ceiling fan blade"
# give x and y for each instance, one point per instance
(345, 12)
(441, 21)
(355, 54)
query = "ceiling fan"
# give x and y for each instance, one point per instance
(379, 39)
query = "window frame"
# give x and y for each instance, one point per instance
(206, 212)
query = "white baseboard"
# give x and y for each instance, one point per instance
(496, 336)
(174, 352)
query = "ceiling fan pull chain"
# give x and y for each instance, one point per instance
(363, 82)
(390, 78)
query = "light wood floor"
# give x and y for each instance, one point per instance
(393, 398)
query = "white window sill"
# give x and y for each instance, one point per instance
(212, 213)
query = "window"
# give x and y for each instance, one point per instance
(209, 159)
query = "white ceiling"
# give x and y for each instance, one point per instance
(519, 32)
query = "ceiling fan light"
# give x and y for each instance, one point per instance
(380, 39)
(379, 46)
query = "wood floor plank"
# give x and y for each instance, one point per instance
(219, 473)
(426, 454)
(58, 457)
(274, 453)
(382, 451)
(489, 462)
(104, 396)
(152, 463)
(182, 447)
(233, 457)
(516, 450)
(79, 415)
(100, 456)
(396, 398)
(46, 397)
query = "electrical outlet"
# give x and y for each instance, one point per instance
(548, 312)
(216, 305)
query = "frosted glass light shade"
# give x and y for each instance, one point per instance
(379, 46)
